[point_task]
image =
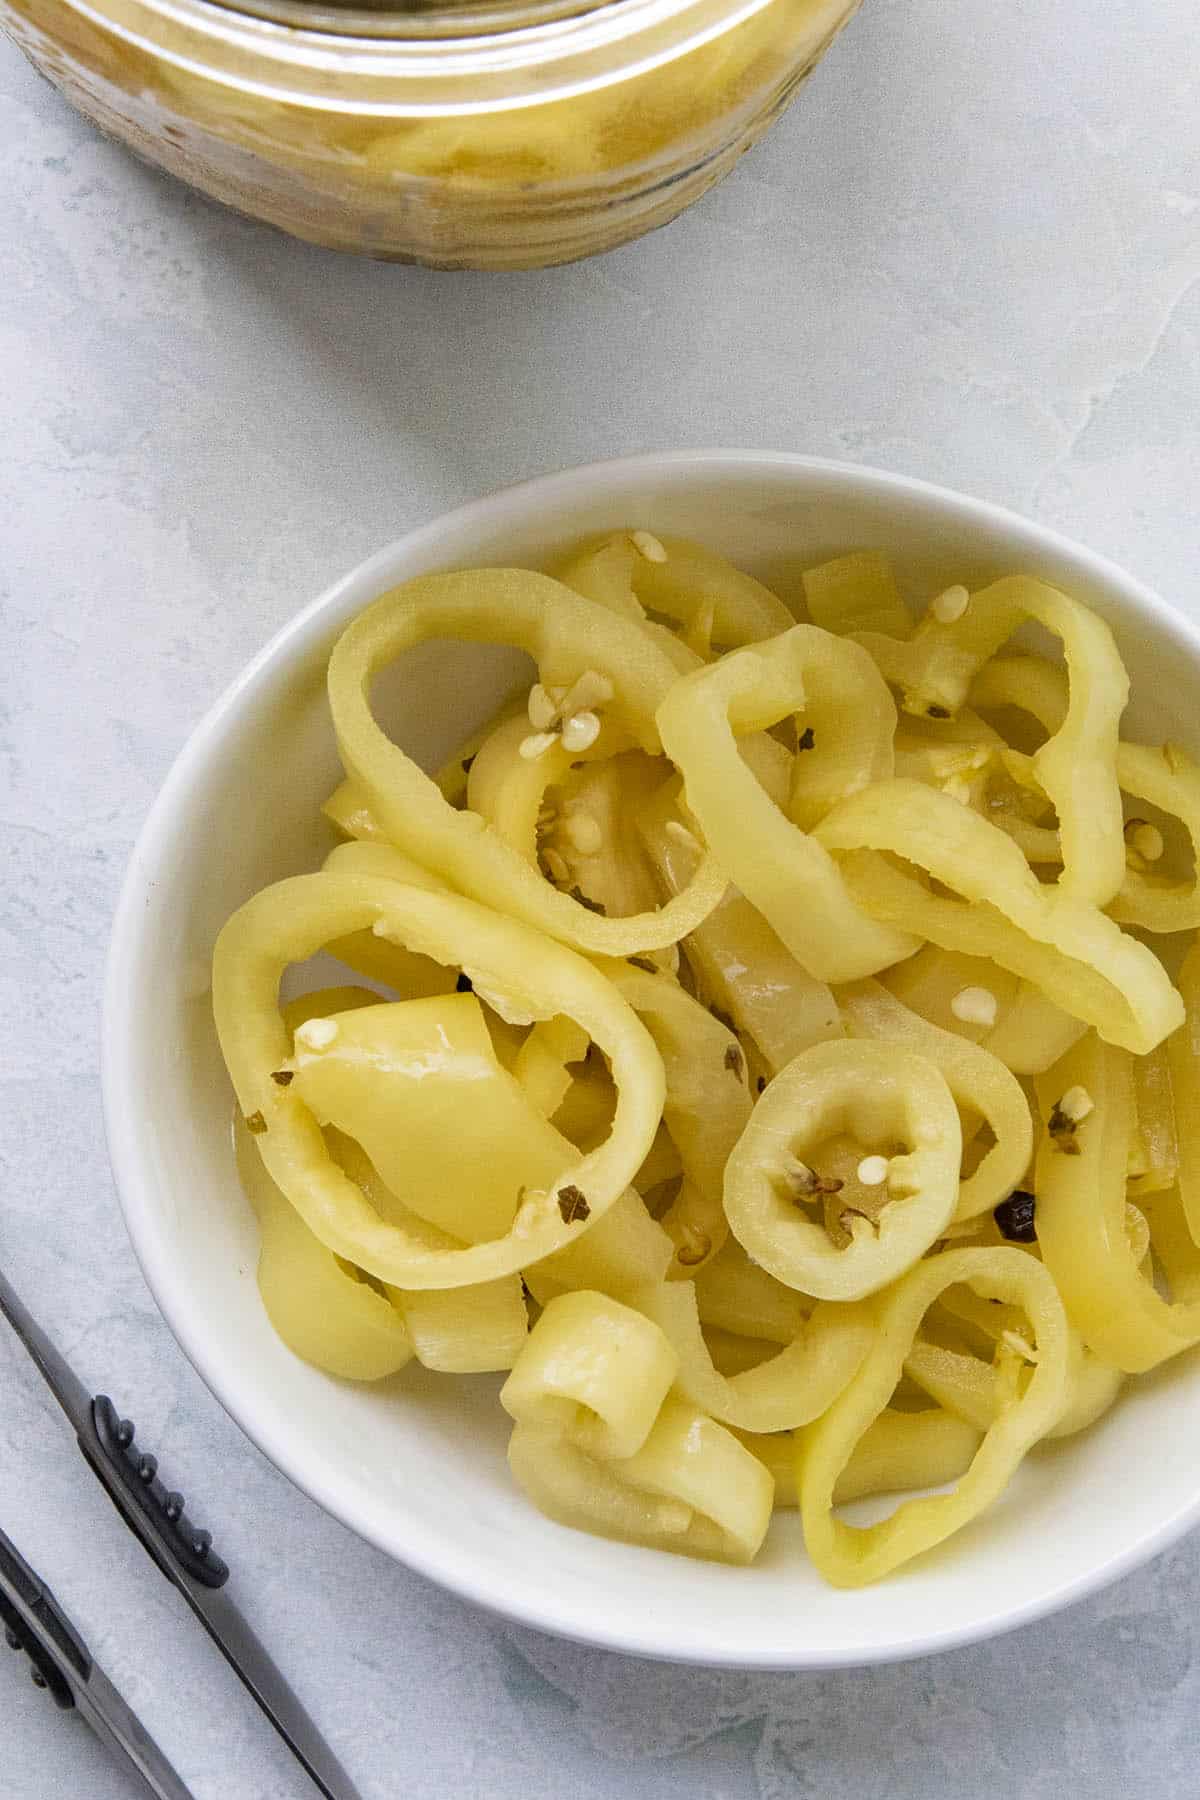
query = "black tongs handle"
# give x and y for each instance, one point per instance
(153, 1512)
(42, 1630)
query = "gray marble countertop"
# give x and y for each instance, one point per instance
(972, 253)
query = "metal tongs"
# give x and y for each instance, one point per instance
(36, 1623)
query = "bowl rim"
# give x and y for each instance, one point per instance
(636, 1636)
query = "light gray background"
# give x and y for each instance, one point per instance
(972, 252)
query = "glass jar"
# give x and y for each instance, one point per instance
(499, 134)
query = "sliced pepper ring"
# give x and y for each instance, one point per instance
(1164, 775)
(524, 975)
(712, 600)
(1077, 955)
(566, 635)
(788, 875)
(706, 1108)
(791, 1388)
(978, 1081)
(598, 1441)
(1080, 1180)
(1076, 767)
(850, 1556)
(508, 789)
(876, 1092)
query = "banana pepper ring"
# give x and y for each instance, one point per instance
(973, 1390)
(979, 1082)
(1029, 1032)
(857, 593)
(706, 1109)
(879, 1094)
(735, 1296)
(899, 1452)
(788, 875)
(1076, 767)
(508, 789)
(600, 1443)
(791, 1388)
(523, 974)
(1077, 955)
(851, 1557)
(711, 600)
(738, 961)
(1165, 776)
(1080, 1181)
(566, 636)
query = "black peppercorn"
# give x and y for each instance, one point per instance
(1015, 1217)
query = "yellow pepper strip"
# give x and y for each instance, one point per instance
(321, 1306)
(929, 983)
(709, 600)
(740, 964)
(1154, 1163)
(1167, 778)
(971, 1388)
(1164, 776)
(349, 814)
(377, 857)
(786, 873)
(599, 1444)
(593, 1370)
(1175, 1248)
(958, 1379)
(690, 581)
(567, 636)
(976, 766)
(883, 1096)
(543, 1062)
(857, 593)
(1092, 1388)
(1081, 1214)
(901, 1452)
(1183, 1057)
(318, 1305)
(408, 975)
(508, 789)
(585, 1113)
(1029, 684)
(1030, 1032)
(663, 1164)
(791, 1388)
(1065, 946)
(622, 1253)
(852, 1557)
(735, 1295)
(979, 1083)
(516, 970)
(451, 779)
(449, 1131)
(602, 571)
(1076, 767)
(849, 719)
(706, 1108)
(468, 1330)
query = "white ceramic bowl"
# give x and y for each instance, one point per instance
(417, 1466)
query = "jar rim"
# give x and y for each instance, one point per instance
(570, 52)
(438, 19)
